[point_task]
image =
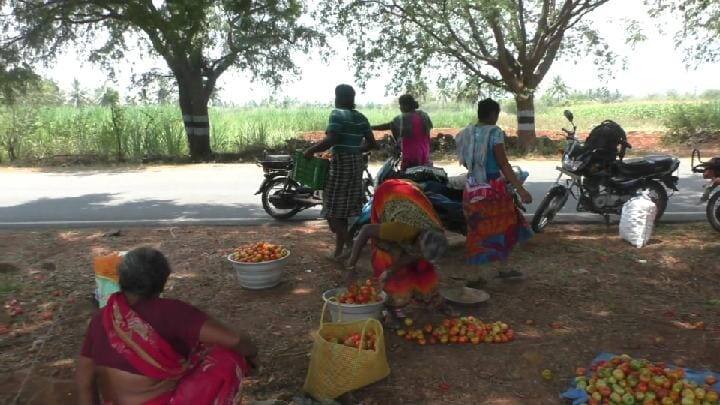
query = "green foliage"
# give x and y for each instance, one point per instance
(198, 39)
(557, 93)
(692, 123)
(17, 122)
(110, 97)
(134, 133)
(509, 44)
(700, 32)
(78, 96)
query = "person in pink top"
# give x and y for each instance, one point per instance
(412, 127)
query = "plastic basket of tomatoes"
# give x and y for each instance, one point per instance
(260, 265)
(360, 300)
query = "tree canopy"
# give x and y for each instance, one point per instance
(509, 44)
(700, 33)
(198, 39)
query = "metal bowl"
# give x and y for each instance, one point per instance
(259, 276)
(352, 312)
(464, 295)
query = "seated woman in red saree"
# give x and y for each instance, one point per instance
(407, 236)
(142, 349)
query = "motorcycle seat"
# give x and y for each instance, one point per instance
(277, 158)
(277, 162)
(646, 165)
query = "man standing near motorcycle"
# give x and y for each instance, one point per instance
(412, 128)
(494, 222)
(343, 193)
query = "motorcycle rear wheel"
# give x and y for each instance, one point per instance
(276, 186)
(713, 211)
(553, 202)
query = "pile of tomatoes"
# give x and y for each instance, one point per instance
(360, 293)
(354, 340)
(458, 331)
(624, 380)
(13, 307)
(259, 253)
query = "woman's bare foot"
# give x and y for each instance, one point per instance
(447, 310)
(344, 255)
(352, 274)
(393, 318)
(476, 284)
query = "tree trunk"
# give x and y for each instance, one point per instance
(193, 104)
(525, 120)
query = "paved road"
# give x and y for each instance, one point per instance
(209, 194)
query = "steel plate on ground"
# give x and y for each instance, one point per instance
(464, 295)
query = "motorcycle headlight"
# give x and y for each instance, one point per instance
(572, 165)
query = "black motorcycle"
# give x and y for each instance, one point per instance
(601, 180)
(711, 171)
(283, 197)
(433, 181)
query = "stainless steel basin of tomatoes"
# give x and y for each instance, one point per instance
(259, 253)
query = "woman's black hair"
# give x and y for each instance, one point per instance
(487, 108)
(407, 100)
(144, 271)
(345, 97)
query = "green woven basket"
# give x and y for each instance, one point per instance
(310, 172)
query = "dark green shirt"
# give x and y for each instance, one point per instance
(350, 127)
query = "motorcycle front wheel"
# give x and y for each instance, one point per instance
(274, 188)
(553, 202)
(713, 211)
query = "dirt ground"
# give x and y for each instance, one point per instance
(586, 292)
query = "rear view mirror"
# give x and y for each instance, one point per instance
(568, 114)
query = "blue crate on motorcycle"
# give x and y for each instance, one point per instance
(310, 172)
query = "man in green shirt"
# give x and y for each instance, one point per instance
(343, 193)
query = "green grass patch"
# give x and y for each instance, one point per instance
(135, 132)
(7, 286)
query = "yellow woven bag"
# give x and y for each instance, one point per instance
(335, 368)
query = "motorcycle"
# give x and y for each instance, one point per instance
(445, 193)
(711, 171)
(602, 185)
(283, 197)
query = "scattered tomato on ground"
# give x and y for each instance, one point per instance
(605, 295)
(463, 330)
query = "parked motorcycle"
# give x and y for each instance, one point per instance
(283, 197)
(435, 184)
(711, 171)
(602, 180)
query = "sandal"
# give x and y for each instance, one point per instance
(392, 320)
(332, 258)
(510, 275)
(344, 255)
(448, 311)
(476, 284)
